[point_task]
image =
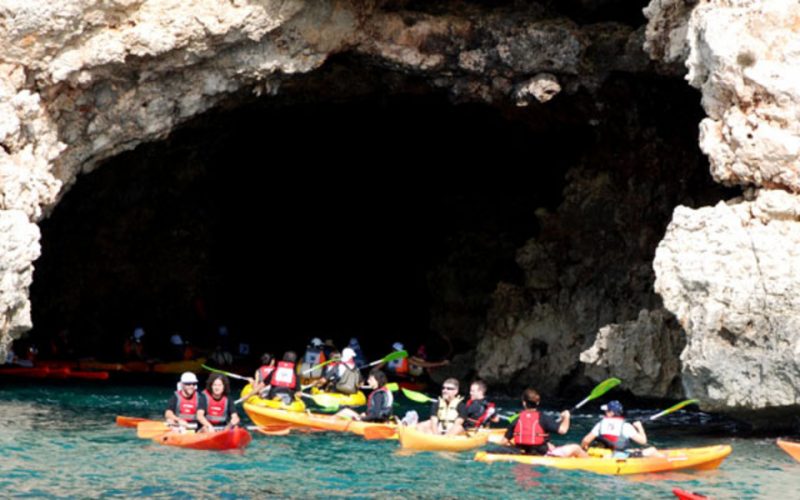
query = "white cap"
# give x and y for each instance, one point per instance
(188, 378)
(348, 354)
(138, 332)
(397, 346)
(316, 342)
(176, 340)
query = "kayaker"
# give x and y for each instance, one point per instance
(447, 413)
(284, 379)
(182, 406)
(614, 433)
(356, 347)
(479, 412)
(347, 377)
(259, 383)
(379, 403)
(419, 362)
(215, 408)
(329, 373)
(531, 432)
(314, 355)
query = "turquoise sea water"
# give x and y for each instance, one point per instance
(61, 442)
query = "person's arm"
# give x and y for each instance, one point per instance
(563, 427)
(201, 414)
(427, 364)
(233, 417)
(169, 414)
(587, 439)
(637, 435)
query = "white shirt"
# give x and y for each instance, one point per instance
(611, 427)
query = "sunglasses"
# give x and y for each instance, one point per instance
(190, 383)
(448, 388)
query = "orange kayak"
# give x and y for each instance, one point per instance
(123, 421)
(232, 439)
(790, 447)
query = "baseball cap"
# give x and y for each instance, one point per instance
(613, 406)
(188, 378)
(348, 354)
(397, 346)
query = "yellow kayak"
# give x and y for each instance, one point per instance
(264, 417)
(357, 399)
(412, 439)
(708, 457)
(297, 405)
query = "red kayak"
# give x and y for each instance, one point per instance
(232, 439)
(51, 372)
(686, 495)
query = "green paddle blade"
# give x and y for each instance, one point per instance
(392, 386)
(675, 408)
(603, 387)
(395, 355)
(417, 397)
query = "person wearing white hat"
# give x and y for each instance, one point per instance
(615, 433)
(347, 377)
(398, 367)
(182, 406)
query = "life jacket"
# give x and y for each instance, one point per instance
(415, 370)
(611, 433)
(486, 410)
(349, 379)
(312, 357)
(398, 366)
(216, 410)
(388, 401)
(186, 409)
(447, 413)
(529, 431)
(265, 372)
(284, 375)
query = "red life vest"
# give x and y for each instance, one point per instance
(216, 410)
(529, 431)
(398, 366)
(265, 372)
(284, 375)
(186, 409)
(488, 411)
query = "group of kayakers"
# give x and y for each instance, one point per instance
(206, 410)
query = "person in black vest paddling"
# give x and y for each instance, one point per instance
(531, 433)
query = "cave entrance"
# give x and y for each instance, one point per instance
(289, 219)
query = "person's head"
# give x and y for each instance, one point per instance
(530, 399)
(377, 379)
(218, 385)
(348, 355)
(477, 389)
(267, 359)
(290, 356)
(613, 408)
(398, 346)
(188, 383)
(316, 342)
(354, 343)
(450, 389)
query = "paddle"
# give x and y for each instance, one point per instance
(394, 355)
(229, 374)
(380, 432)
(129, 421)
(324, 363)
(417, 397)
(601, 388)
(327, 402)
(152, 428)
(675, 408)
(392, 386)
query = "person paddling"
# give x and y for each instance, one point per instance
(531, 433)
(260, 381)
(347, 378)
(447, 413)
(284, 379)
(215, 408)
(379, 404)
(182, 406)
(614, 433)
(479, 412)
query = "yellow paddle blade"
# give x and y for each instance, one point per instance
(150, 429)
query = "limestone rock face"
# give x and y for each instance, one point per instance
(643, 353)
(730, 274)
(83, 80)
